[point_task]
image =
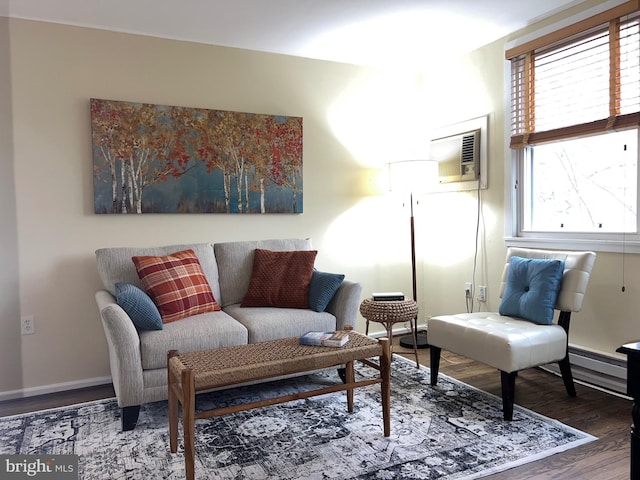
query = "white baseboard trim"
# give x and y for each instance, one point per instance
(397, 331)
(53, 388)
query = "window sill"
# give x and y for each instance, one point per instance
(603, 245)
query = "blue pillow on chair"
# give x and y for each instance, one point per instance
(532, 289)
(322, 288)
(143, 312)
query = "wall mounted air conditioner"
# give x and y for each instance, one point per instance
(458, 157)
(460, 151)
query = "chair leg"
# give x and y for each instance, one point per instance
(130, 417)
(434, 357)
(508, 381)
(564, 364)
(567, 376)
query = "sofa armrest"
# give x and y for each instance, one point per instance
(345, 304)
(124, 350)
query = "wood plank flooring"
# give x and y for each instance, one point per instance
(601, 414)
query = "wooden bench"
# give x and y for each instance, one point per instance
(194, 372)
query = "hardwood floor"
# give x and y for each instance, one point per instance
(601, 414)
(53, 400)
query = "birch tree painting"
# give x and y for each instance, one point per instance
(165, 159)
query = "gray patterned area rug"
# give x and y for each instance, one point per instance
(452, 431)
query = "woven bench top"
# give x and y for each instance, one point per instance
(244, 363)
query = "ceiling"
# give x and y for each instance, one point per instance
(364, 32)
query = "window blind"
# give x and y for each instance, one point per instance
(585, 84)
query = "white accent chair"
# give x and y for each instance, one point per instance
(509, 343)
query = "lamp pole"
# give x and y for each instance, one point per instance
(421, 339)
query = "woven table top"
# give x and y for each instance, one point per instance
(389, 311)
(244, 363)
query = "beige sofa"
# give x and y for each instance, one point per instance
(138, 358)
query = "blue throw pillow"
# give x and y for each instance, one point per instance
(322, 288)
(143, 312)
(532, 289)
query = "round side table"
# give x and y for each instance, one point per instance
(388, 313)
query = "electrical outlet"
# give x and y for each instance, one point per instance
(467, 289)
(482, 293)
(28, 325)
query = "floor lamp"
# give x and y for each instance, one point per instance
(412, 177)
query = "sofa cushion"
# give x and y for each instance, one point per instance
(280, 279)
(177, 284)
(322, 288)
(115, 265)
(141, 310)
(532, 289)
(271, 323)
(235, 263)
(198, 332)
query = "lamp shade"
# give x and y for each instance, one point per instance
(413, 176)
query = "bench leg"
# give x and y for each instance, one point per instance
(385, 386)
(188, 422)
(508, 381)
(349, 378)
(130, 417)
(172, 403)
(434, 357)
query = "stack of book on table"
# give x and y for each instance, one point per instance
(325, 339)
(388, 296)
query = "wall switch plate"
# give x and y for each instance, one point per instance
(482, 293)
(28, 325)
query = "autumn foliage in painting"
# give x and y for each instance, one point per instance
(154, 158)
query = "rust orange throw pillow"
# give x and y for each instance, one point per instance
(177, 284)
(280, 279)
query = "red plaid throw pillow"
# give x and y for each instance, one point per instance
(177, 284)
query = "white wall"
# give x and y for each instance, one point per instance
(9, 303)
(451, 226)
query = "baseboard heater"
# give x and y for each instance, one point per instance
(596, 369)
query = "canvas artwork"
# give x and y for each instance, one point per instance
(164, 159)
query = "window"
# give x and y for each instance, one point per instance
(575, 110)
(582, 185)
